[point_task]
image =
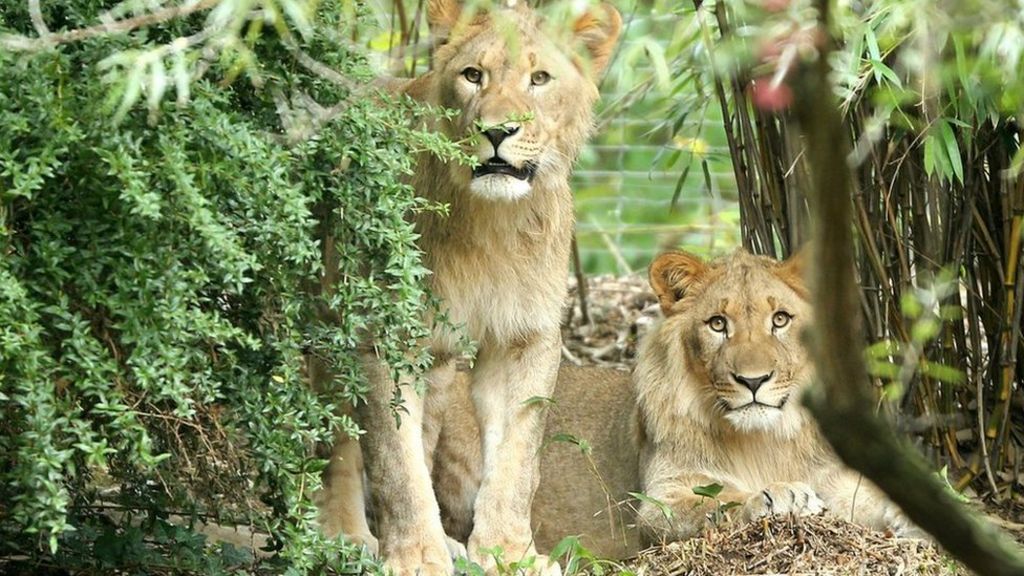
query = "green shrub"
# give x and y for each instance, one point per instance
(158, 266)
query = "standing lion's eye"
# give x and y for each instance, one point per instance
(540, 78)
(781, 319)
(473, 75)
(717, 323)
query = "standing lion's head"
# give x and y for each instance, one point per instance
(524, 89)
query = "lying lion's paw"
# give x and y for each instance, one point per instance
(901, 526)
(783, 498)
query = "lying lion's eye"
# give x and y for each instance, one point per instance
(717, 323)
(473, 75)
(540, 78)
(781, 319)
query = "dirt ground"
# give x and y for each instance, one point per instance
(795, 546)
(619, 311)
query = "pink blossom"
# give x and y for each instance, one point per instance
(768, 97)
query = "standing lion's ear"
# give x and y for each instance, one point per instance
(672, 274)
(598, 29)
(442, 15)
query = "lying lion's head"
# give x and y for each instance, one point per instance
(730, 343)
(524, 91)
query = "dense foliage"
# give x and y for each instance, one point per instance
(159, 267)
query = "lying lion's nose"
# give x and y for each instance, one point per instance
(752, 382)
(497, 135)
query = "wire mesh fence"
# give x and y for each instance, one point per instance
(644, 183)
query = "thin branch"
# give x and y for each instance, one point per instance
(581, 281)
(36, 13)
(46, 40)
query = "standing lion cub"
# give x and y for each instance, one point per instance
(524, 91)
(719, 383)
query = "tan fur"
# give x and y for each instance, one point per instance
(582, 494)
(771, 458)
(499, 260)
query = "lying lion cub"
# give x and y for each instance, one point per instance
(718, 383)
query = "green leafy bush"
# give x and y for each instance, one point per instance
(160, 265)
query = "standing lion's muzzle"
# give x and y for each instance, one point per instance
(497, 165)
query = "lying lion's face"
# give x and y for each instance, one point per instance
(738, 321)
(524, 98)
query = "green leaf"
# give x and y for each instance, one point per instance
(539, 400)
(710, 491)
(568, 545)
(880, 68)
(925, 329)
(656, 54)
(942, 372)
(583, 445)
(661, 506)
(930, 161)
(952, 149)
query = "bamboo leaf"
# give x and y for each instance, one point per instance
(929, 155)
(942, 372)
(679, 186)
(656, 54)
(952, 149)
(879, 67)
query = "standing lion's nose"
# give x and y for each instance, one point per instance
(753, 382)
(498, 134)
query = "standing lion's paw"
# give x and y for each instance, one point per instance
(545, 566)
(419, 560)
(508, 559)
(456, 549)
(368, 540)
(783, 498)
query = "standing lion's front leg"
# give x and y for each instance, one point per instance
(505, 380)
(409, 530)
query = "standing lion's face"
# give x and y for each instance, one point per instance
(524, 100)
(738, 322)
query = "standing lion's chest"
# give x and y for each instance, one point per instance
(495, 300)
(498, 269)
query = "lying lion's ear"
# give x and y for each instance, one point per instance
(672, 274)
(442, 15)
(791, 270)
(598, 29)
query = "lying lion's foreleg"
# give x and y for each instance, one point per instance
(408, 521)
(854, 498)
(506, 382)
(672, 511)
